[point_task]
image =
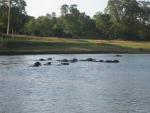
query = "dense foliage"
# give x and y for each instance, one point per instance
(18, 16)
(130, 19)
(125, 19)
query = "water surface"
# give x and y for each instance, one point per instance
(82, 87)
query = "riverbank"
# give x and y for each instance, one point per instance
(46, 45)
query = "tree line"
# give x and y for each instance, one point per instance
(124, 19)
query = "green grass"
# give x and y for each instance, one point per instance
(43, 45)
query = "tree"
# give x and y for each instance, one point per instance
(145, 14)
(42, 26)
(75, 23)
(18, 15)
(125, 15)
(8, 24)
(144, 19)
(103, 24)
(64, 9)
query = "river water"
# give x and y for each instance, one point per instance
(82, 87)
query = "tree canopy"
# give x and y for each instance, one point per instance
(130, 18)
(124, 19)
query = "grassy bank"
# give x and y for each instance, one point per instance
(46, 45)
